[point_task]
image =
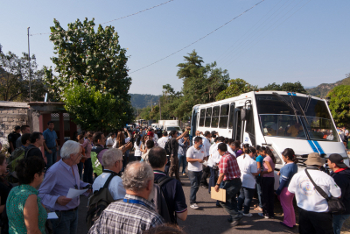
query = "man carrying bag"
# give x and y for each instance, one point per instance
(314, 215)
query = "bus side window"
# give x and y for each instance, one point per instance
(208, 117)
(223, 116)
(232, 111)
(215, 118)
(202, 118)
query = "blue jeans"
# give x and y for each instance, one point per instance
(213, 178)
(66, 223)
(87, 176)
(51, 158)
(258, 189)
(232, 188)
(195, 177)
(245, 197)
(338, 221)
(182, 162)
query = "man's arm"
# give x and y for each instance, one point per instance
(220, 179)
(45, 189)
(182, 135)
(47, 149)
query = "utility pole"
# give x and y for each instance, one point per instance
(30, 73)
(160, 111)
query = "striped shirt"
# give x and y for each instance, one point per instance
(122, 217)
(229, 167)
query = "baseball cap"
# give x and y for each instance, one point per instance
(314, 159)
(338, 160)
(150, 134)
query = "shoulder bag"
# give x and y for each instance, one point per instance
(335, 205)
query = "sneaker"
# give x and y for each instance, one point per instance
(194, 206)
(248, 215)
(234, 223)
(262, 215)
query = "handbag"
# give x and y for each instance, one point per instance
(335, 205)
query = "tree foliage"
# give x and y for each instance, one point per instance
(296, 87)
(340, 104)
(14, 78)
(84, 105)
(236, 87)
(93, 59)
(201, 84)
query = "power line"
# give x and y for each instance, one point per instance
(123, 17)
(223, 25)
(281, 21)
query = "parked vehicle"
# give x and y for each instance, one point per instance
(278, 120)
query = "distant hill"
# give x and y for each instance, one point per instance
(140, 101)
(323, 89)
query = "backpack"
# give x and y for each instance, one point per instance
(160, 202)
(96, 165)
(99, 201)
(167, 147)
(17, 155)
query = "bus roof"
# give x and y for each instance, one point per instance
(251, 94)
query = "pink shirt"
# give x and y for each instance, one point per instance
(268, 159)
(87, 146)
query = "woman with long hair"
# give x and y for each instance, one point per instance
(285, 197)
(137, 145)
(267, 185)
(249, 170)
(259, 161)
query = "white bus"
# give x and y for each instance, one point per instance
(278, 120)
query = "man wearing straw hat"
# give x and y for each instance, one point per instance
(313, 212)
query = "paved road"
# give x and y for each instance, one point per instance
(209, 219)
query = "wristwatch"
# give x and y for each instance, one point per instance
(218, 184)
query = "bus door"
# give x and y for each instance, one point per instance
(237, 125)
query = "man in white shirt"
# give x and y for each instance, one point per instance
(195, 157)
(110, 140)
(213, 161)
(113, 162)
(313, 212)
(206, 170)
(161, 142)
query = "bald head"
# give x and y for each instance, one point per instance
(137, 176)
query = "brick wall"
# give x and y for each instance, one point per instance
(9, 118)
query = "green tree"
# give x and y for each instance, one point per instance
(93, 59)
(84, 103)
(14, 78)
(340, 104)
(201, 84)
(296, 87)
(236, 87)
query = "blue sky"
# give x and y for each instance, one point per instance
(277, 41)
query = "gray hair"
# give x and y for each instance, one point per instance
(70, 147)
(137, 176)
(110, 156)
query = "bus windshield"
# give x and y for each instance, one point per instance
(295, 117)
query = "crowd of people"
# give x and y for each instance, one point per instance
(146, 195)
